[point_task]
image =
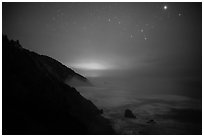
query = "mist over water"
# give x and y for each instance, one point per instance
(163, 99)
(141, 82)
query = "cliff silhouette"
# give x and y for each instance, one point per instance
(36, 100)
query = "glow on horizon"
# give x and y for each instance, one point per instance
(90, 66)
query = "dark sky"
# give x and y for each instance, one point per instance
(155, 40)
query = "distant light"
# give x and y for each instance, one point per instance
(89, 66)
(180, 14)
(165, 7)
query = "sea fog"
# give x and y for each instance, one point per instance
(167, 100)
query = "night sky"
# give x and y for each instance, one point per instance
(154, 40)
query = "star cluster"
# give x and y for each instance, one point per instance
(125, 21)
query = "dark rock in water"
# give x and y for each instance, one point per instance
(36, 101)
(151, 121)
(129, 114)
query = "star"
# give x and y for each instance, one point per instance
(145, 38)
(142, 30)
(118, 22)
(179, 14)
(131, 36)
(165, 7)
(109, 20)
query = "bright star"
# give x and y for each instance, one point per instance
(165, 7)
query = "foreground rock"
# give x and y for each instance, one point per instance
(129, 114)
(35, 99)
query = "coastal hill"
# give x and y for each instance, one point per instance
(36, 100)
